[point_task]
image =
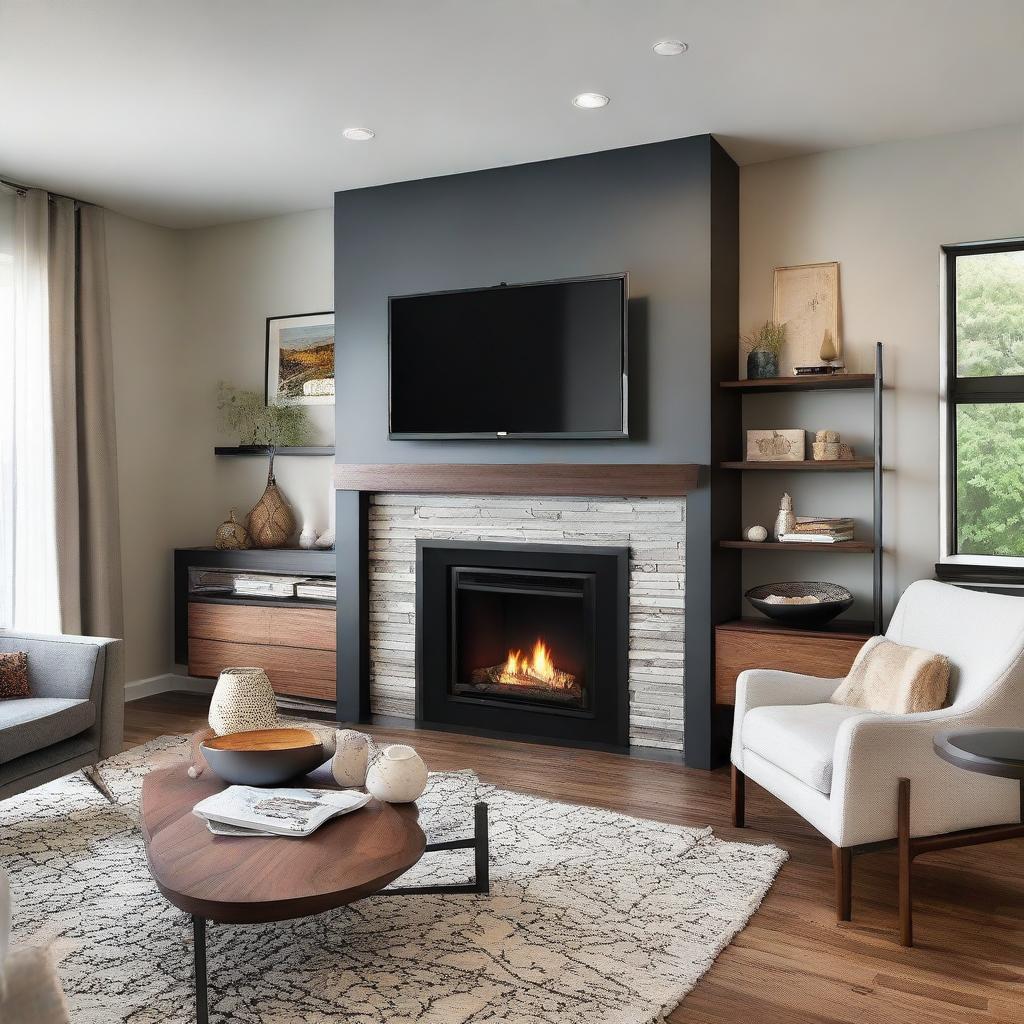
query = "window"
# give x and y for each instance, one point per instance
(984, 404)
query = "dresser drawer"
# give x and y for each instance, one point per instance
(297, 672)
(738, 648)
(313, 628)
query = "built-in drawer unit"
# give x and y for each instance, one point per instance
(294, 646)
(754, 643)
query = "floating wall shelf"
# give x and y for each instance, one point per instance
(841, 465)
(825, 382)
(258, 449)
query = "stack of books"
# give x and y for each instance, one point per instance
(317, 590)
(820, 530)
(266, 586)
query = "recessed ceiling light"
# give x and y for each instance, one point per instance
(669, 47)
(590, 100)
(359, 134)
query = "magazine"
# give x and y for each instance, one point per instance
(278, 812)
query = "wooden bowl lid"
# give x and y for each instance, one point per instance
(264, 739)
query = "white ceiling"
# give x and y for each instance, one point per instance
(194, 112)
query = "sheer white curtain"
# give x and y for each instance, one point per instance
(6, 406)
(33, 598)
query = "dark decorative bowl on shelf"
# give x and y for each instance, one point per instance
(832, 599)
(264, 757)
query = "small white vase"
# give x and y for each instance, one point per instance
(242, 701)
(348, 766)
(307, 539)
(398, 776)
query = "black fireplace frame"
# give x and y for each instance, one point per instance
(605, 725)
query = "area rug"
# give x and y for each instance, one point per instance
(593, 917)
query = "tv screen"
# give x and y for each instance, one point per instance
(529, 360)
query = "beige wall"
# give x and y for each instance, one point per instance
(147, 320)
(235, 277)
(882, 212)
(188, 308)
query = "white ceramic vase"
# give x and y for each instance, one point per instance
(398, 776)
(351, 753)
(242, 701)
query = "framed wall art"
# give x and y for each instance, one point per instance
(806, 300)
(300, 359)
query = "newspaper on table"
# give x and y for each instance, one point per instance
(251, 811)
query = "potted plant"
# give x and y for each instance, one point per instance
(271, 520)
(763, 347)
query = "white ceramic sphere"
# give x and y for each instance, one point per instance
(398, 776)
(757, 533)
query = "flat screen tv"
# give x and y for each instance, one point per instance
(513, 361)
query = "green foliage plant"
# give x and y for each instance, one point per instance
(769, 337)
(245, 414)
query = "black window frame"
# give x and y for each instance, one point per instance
(998, 570)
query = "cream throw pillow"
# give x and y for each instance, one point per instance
(891, 678)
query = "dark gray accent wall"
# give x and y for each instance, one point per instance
(660, 212)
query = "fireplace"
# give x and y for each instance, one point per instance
(525, 640)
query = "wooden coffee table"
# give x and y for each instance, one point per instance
(249, 880)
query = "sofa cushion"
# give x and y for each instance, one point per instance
(799, 739)
(13, 675)
(36, 722)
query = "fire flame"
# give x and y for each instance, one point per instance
(538, 665)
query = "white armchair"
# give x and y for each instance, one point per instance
(840, 768)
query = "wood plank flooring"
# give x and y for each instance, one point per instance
(792, 964)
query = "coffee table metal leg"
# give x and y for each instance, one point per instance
(199, 950)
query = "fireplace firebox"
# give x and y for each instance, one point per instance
(524, 640)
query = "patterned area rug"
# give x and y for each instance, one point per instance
(593, 917)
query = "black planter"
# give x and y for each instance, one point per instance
(762, 364)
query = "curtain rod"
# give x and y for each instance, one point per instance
(22, 189)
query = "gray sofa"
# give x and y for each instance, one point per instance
(75, 715)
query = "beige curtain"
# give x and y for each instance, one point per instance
(70, 436)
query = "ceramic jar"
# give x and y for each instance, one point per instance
(398, 776)
(351, 753)
(761, 364)
(242, 701)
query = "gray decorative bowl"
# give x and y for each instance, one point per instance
(833, 600)
(264, 757)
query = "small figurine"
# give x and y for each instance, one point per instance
(785, 521)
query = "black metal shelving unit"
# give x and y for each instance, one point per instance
(873, 382)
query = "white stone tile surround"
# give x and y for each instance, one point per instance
(653, 528)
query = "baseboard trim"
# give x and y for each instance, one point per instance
(167, 683)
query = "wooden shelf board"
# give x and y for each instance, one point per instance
(268, 602)
(835, 628)
(826, 382)
(258, 449)
(849, 547)
(831, 465)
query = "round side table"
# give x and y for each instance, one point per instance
(998, 752)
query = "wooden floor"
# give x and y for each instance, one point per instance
(792, 963)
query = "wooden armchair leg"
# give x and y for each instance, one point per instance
(739, 786)
(905, 863)
(842, 870)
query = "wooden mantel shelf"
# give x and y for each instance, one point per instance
(639, 480)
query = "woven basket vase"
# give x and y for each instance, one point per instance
(271, 521)
(242, 701)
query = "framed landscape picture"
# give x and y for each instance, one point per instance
(300, 359)
(806, 300)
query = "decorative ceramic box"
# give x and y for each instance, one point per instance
(775, 446)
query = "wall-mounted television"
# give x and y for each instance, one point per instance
(540, 360)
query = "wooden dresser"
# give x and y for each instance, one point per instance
(760, 643)
(293, 641)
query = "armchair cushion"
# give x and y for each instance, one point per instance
(799, 739)
(36, 722)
